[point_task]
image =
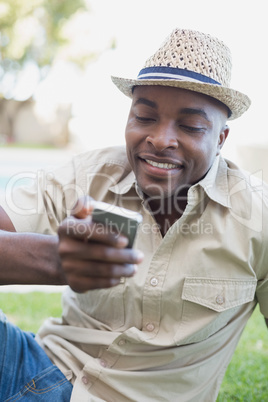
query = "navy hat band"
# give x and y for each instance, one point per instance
(173, 73)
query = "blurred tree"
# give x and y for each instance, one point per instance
(36, 33)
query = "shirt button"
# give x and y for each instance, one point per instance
(220, 299)
(122, 342)
(154, 281)
(85, 379)
(150, 327)
(103, 363)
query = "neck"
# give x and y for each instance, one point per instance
(167, 211)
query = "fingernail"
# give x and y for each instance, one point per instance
(89, 206)
(139, 255)
(122, 241)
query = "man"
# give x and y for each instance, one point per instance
(162, 320)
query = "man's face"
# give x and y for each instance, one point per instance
(172, 137)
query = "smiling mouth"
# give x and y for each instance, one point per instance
(162, 165)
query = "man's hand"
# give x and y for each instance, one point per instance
(93, 257)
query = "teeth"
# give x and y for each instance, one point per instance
(161, 165)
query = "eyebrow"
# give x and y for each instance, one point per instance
(186, 110)
(192, 111)
(147, 102)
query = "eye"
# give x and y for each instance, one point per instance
(142, 119)
(192, 129)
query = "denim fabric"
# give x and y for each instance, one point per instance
(26, 372)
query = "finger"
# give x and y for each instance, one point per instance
(82, 208)
(93, 251)
(86, 230)
(97, 270)
(82, 276)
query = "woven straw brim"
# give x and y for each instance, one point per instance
(237, 102)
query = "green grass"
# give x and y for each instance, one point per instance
(29, 310)
(246, 379)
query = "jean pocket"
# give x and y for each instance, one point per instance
(209, 304)
(50, 385)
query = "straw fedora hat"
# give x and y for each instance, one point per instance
(194, 61)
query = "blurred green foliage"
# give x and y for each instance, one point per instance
(37, 34)
(33, 30)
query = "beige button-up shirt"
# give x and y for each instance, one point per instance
(168, 333)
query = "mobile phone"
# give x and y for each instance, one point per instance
(120, 220)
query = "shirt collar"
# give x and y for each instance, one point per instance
(215, 183)
(124, 186)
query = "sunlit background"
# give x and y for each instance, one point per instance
(79, 108)
(70, 104)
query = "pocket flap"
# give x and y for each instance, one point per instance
(219, 294)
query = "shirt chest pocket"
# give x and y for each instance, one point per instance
(209, 304)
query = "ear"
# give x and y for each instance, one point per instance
(222, 137)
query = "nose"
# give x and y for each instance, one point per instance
(162, 138)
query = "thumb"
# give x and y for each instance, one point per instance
(83, 208)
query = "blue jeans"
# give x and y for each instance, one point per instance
(26, 372)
